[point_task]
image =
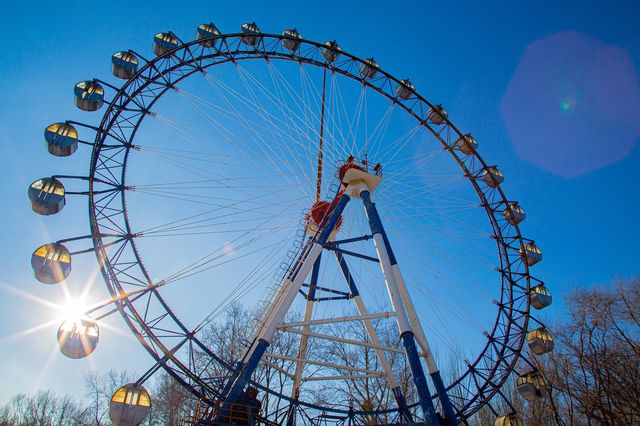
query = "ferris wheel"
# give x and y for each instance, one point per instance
(378, 262)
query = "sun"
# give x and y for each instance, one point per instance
(73, 310)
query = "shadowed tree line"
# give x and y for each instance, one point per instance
(42, 409)
(593, 372)
(46, 408)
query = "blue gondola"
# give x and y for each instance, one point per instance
(47, 196)
(88, 95)
(61, 139)
(51, 263)
(124, 65)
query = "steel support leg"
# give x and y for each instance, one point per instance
(373, 336)
(434, 372)
(291, 286)
(308, 313)
(386, 256)
(447, 407)
(302, 348)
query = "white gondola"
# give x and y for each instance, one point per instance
(124, 65)
(164, 42)
(61, 139)
(331, 51)
(129, 405)
(292, 39)
(369, 68)
(78, 338)
(467, 144)
(492, 176)
(47, 196)
(531, 253)
(51, 263)
(437, 114)
(251, 34)
(532, 386)
(206, 34)
(540, 341)
(540, 296)
(509, 420)
(514, 214)
(88, 95)
(405, 89)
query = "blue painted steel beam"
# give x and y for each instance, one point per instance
(447, 407)
(314, 279)
(402, 405)
(326, 299)
(329, 290)
(333, 219)
(350, 240)
(347, 274)
(354, 254)
(419, 380)
(376, 224)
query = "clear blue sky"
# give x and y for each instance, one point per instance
(583, 213)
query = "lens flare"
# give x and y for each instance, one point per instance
(572, 105)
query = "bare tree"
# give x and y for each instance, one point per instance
(171, 402)
(45, 408)
(593, 373)
(100, 387)
(365, 393)
(595, 367)
(231, 337)
(594, 370)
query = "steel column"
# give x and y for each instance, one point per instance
(302, 348)
(447, 406)
(373, 336)
(434, 372)
(291, 286)
(419, 335)
(386, 256)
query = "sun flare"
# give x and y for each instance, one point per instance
(73, 310)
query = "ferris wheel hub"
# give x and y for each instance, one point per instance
(356, 177)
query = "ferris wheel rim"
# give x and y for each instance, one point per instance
(103, 132)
